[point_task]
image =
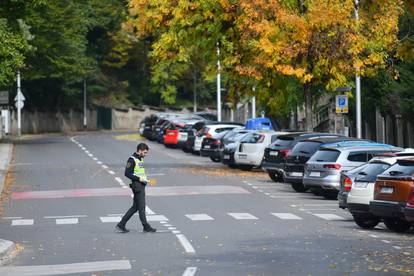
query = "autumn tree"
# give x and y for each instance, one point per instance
(319, 41)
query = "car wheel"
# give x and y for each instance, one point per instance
(366, 222)
(246, 167)
(215, 159)
(330, 194)
(397, 224)
(275, 176)
(298, 187)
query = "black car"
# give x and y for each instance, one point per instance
(147, 125)
(192, 131)
(227, 155)
(295, 162)
(276, 153)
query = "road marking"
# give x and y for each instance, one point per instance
(153, 191)
(167, 225)
(20, 222)
(286, 216)
(111, 172)
(385, 241)
(329, 216)
(60, 217)
(11, 217)
(190, 271)
(67, 221)
(199, 217)
(87, 151)
(242, 216)
(104, 166)
(156, 174)
(172, 228)
(65, 268)
(110, 219)
(397, 247)
(119, 180)
(99, 162)
(90, 155)
(149, 211)
(96, 159)
(373, 236)
(176, 232)
(185, 243)
(157, 218)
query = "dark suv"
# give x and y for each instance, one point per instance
(295, 162)
(276, 153)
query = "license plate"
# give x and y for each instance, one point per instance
(242, 156)
(171, 134)
(207, 146)
(274, 153)
(315, 174)
(226, 157)
(387, 190)
(296, 174)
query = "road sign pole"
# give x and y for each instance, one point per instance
(358, 86)
(254, 103)
(218, 85)
(19, 124)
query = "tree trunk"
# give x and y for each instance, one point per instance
(308, 107)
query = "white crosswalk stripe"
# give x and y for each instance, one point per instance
(110, 219)
(329, 216)
(21, 222)
(286, 216)
(242, 216)
(199, 217)
(67, 221)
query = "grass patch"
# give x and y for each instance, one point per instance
(129, 137)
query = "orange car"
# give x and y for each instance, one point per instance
(394, 196)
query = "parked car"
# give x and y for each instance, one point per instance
(259, 124)
(362, 190)
(172, 131)
(295, 162)
(210, 130)
(347, 179)
(147, 124)
(275, 154)
(394, 196)
(183, 132)
(323, 169)
(250, 150)
(214, 147)
(229, 150)
(191, 132)
(207, 116)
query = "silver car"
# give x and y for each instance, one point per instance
(323, 170)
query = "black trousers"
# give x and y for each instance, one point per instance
(138, 205)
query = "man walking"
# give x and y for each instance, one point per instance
(135, 171)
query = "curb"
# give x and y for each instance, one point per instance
(7, 248)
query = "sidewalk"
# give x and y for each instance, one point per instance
(6, 247)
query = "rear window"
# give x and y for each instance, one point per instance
(403, 167)
(306, 147)
(218, 130)
(371, 171)
(358, 157)
(325, 156)
(283, 142)
(252, 138)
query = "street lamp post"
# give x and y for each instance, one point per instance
(84, 105)
(254, 103)
(218, 85)
(358, 87)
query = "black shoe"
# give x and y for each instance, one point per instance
(148, 228)
(121, 229)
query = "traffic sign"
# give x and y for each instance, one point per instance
(19, 104)
(341, 104)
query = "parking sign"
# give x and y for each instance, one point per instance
(341, 104)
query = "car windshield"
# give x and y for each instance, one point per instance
(325, 156)
(306, 147)
(402, 167)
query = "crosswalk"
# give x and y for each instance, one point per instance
(114, 218)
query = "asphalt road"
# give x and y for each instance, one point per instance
(70, 191)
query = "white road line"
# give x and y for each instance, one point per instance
(156, 218)
(111, 172)
(329, 216)
(87, 151)
(286, 216)
(156, 174)
(104, 166)
(397, 247)
(199, 217)
(185, 243)
(59, 217)
(254, 187)
(99, 162)
(385, 241)
(67, 221)
(65, 268)
(20, 222)
(176, 232)
(172, 228)
(373, 236)
(149, 211)
(167, 225)
(90, 155)
(110, 219)
(163, 222)
(190, 271)
(242, 216)
(96, 159)
(119, 180)
(11, 217)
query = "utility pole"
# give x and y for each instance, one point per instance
(19, 99)
(358, 86)
(254, 103)
(218, 84)
(195, 92)
(84, 105)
